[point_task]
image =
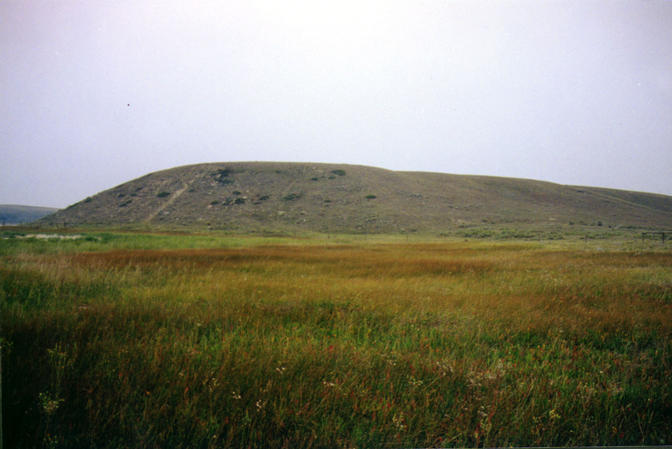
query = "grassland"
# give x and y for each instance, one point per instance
(124, 340)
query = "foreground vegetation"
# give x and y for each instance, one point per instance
(148, 341)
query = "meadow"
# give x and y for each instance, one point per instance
(206, 341)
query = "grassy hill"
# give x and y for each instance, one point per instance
(258, 196)
(11, 214)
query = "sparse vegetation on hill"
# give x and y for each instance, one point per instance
(283, 197)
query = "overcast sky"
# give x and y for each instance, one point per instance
(94, 93)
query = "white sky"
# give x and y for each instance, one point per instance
(573, 91)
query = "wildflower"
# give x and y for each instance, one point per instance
(553, 414)
(398, 421)
(445, 367)
(236, 396)
(485, 422)
(212, 384)
(260, 405)
(414, 382)
(49, 403)
(475, 379)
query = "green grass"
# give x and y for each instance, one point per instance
(147, 340)
(23, 241)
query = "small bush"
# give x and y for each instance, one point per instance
(370, 197)
(222, 176)
(338, 172)
(163, 194)
(291, 197)
(223, 172)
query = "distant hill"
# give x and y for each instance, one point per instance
(12, 214)
(257, 196)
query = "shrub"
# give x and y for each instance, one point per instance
(291, 196)
(222, 176)
(370, 197)
(163, 194)
(339, 172)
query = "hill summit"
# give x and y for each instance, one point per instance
(258, 196)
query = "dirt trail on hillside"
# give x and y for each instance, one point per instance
(170, 201)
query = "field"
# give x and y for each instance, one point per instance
(155, 341)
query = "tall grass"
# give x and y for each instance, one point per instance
(359, 345)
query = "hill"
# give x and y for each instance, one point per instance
(12, 214)
(256, 196)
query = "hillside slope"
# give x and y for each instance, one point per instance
(12, 214)
(349, 198)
